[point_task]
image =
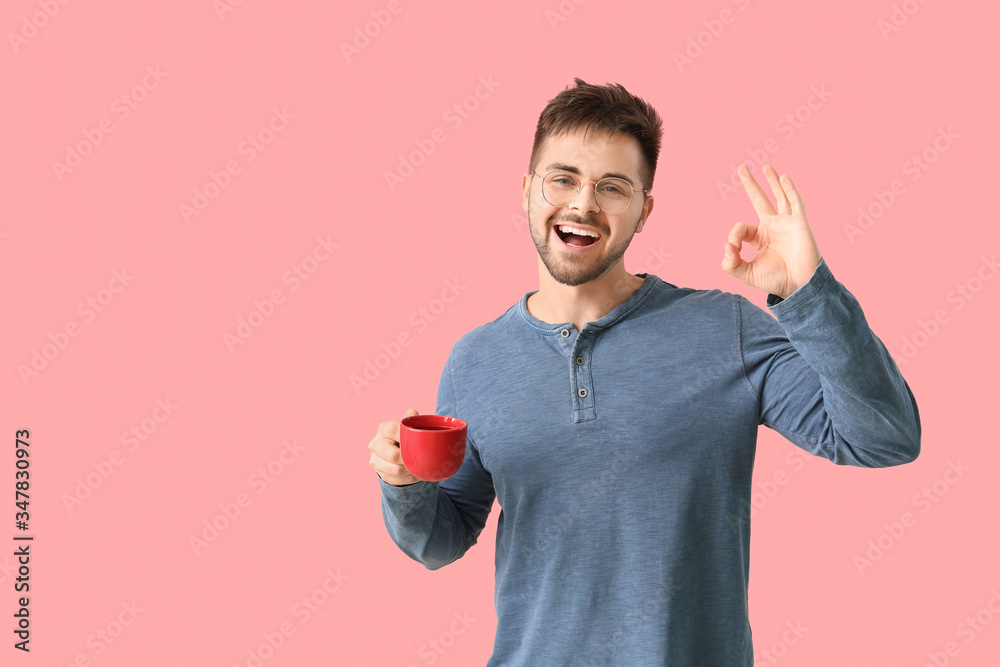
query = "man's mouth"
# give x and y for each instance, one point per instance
(576, 236)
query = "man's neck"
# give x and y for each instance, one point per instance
(556, 303)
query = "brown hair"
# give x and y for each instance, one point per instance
(610, 108)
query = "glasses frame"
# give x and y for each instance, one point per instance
(579, 189)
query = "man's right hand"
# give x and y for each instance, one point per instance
(386, 458)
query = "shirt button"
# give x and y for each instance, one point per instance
(582, 393)
(565, 333)
(579, 361)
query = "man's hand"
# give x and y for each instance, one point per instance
(787, 253)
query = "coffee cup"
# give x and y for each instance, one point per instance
(433, 446)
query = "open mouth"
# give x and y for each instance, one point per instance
(577, 237)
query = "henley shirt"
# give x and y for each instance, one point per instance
(621, 457)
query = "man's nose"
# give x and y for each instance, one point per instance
(586, 199)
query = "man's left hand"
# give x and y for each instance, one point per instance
(787, 254)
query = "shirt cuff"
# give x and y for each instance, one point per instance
(816, 284)
(406, 497)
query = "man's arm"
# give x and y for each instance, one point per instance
(435, 523)
(824, 379)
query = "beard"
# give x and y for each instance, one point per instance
(570, 268)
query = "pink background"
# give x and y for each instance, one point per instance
(106, 542)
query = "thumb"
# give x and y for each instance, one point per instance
(412, 412)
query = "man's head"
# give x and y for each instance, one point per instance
(609, 109)
(594, 155)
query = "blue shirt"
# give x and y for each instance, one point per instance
(621, 456)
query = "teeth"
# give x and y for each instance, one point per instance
(573, 230)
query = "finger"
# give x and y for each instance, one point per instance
(744, 233)
(732, 263)
(794, 198)
(391, 470)
(758, 198)
(781, 201)
(386, 449)
(390, 429)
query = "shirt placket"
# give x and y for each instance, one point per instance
(579, 348)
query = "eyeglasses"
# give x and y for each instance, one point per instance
(613, 195)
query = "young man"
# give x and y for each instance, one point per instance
(614, 416)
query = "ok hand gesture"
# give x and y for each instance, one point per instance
(787, 253)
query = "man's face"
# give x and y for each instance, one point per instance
(591, 160)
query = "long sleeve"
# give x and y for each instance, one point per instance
(825, 381)
(435, 523)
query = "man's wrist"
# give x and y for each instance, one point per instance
(775, 299)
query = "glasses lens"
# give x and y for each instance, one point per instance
(613, 194)
(560, 188)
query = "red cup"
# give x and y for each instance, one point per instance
(433, 446)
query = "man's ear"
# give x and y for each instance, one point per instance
(525, 190)
(647, 208)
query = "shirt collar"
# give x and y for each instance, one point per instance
(619, 313)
